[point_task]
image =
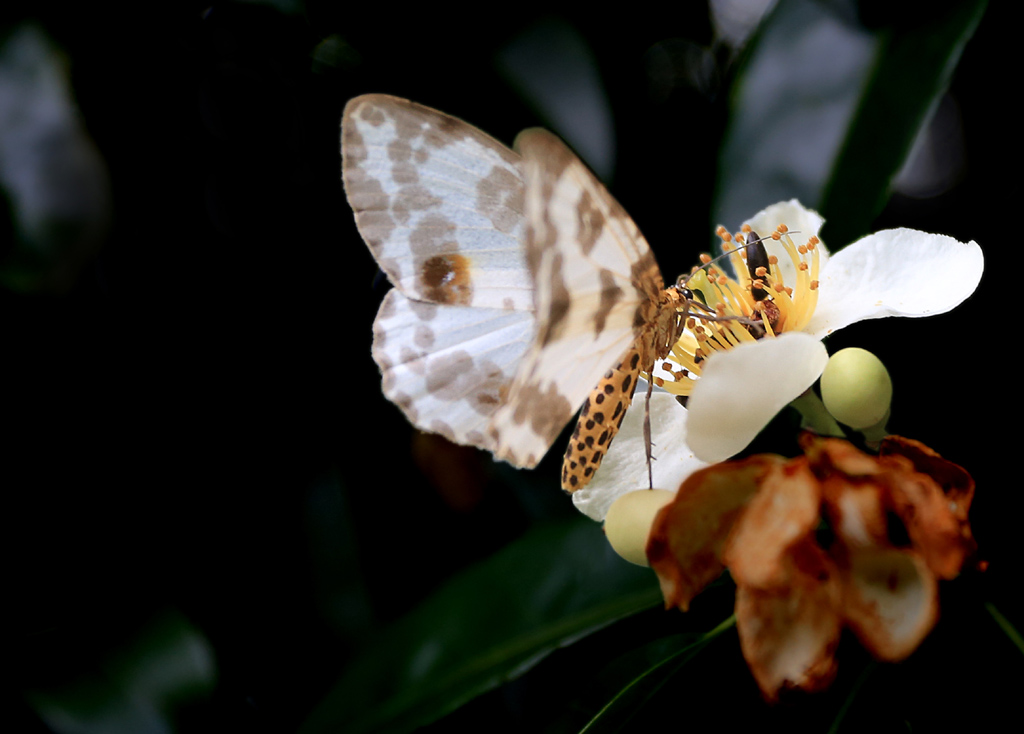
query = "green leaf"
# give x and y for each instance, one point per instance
(826, 110)
(1004, 624)
(664, 659)
(911, 71)
(487, 625)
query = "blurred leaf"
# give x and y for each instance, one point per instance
(487, 625)
(826, 111)
(911, 72)
(554, 69)
(136, 688)
(51, 172)
(659, 662)
(1005, 625)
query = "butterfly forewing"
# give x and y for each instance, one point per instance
(595, 282)
(440, 205)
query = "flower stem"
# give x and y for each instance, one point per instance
(814, 416)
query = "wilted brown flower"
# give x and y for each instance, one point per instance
(833, 538)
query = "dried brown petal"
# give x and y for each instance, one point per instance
(857, 512)
(688, 535)
(956, 483)
(829, 456)
(890, 600)
(784, 512)
(788, 636)
(931, 524)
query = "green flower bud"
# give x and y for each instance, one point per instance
(856, 388)
(629, 520)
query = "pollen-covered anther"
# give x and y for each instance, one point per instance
(705, 258)
(761, 272)
(691, 323)
(659, 381)
(812, 242)
(782, 228)
(804, 266)
(723, 233)
(814, 285)
(773, 260)
(720, 310)
(802, 249)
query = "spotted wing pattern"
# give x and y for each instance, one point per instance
(440, 205)
(598, 293)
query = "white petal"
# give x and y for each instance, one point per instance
(805, 223)
(624, 469)
(895, 272)
(739, 391)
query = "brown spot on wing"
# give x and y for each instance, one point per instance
(590, 222)
(646, 275)
(545, 409)
(552, 327)
(458, 376)
(611, 294)
(499, 196)
(446, 279)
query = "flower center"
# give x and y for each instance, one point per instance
(757, 304)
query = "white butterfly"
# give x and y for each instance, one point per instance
(444, 209)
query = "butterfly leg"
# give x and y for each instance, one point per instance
(648, 444)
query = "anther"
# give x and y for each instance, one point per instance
(782, 228)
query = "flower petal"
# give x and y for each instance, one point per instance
(742, 389)
(783, 515)
(895, 272)
(624, 468)
(789, 635)
(890, 600)
(798, 219)
(687, 537)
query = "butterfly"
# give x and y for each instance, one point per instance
(520, 284)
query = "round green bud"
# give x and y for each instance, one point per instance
(629, 521)
(856, 388)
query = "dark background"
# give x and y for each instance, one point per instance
(193, 424)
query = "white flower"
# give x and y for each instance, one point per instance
(737, 381)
